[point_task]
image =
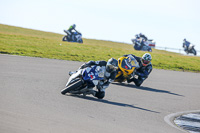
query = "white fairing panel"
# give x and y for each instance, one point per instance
(73, 76)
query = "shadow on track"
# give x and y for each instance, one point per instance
(112, 103)
(146, 88)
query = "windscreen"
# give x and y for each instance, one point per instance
(129, 63)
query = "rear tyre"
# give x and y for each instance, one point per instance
(65, 38)
(71, 87)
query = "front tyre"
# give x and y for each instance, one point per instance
(71, 87)
(150, 50)
(80, 41)
(194, 52)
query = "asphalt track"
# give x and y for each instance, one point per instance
(30, 100)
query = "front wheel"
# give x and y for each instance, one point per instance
(150, 50)
(71, 87)
(194, 52)
(80, 41)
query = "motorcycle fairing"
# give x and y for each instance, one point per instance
(91, 75)
(74, 76)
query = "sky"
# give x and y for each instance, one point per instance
(168, 22)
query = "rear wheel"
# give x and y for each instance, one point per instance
(71, 87)
(65, 38)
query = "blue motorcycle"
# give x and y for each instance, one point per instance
(137, 45)
(74, 37)
(84, 80)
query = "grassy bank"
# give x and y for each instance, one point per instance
(27, 42)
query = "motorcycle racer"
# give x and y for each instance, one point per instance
(137, 36)
(139, 43)
(143, 36)
(109, 76)
(144, 69)
(143, 43)
(70, 31)
(186, 44)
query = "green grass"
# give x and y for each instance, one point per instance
(27, 42)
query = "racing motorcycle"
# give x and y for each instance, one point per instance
(126, 68)
(84, 80)
(75, 37)
(137, 45)
(190, 49)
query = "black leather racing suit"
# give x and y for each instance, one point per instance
(143, 36)
(186, 44)
(71, 33)
(142, 71)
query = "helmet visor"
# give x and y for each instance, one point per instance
(145, 61)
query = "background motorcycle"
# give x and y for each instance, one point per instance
(125, 69)
(75, 37)
(190, 49)
(84, 80)
(137, 44)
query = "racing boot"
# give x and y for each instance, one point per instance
(129, 80)
(100, 94)
(137, 82)
(91, 91)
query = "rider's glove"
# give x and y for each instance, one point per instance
(141, 74)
